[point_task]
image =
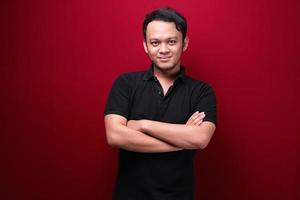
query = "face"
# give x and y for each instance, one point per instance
(164, 45)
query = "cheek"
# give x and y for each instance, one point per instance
(152, 52)
(177, 50)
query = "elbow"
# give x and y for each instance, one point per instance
(197, 145)
(202, 140)
(111, 142)
(200, 143)
(203, 135)
(112, 139)
(113, 128)
(203, 145)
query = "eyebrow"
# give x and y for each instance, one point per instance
(169, 38)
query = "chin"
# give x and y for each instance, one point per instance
(165, 66)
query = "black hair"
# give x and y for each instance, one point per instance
(166, 14)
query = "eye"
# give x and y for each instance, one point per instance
(154, 43)
(172, 42)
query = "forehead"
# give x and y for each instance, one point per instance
(160, 30)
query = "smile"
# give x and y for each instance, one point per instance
(164, 59)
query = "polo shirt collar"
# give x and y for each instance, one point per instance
(150, 75)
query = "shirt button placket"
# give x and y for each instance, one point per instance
(159, 93)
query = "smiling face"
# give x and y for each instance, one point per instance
(164, 45)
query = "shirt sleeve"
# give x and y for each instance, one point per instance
(118, 100)
(205, 101)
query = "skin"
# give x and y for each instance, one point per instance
(164, 45)
(185, 137)
(124, 134)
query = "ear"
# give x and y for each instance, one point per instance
(145, 46)
(185, 43)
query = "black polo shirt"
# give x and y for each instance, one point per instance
(158, 176)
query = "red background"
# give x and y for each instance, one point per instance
(59, 59)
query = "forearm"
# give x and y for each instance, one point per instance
(180, 135)
(121, 136)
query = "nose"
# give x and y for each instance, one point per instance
(164, 49)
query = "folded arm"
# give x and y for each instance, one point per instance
(180, 135)
(120, 135)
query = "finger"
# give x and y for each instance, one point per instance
(195, 118)
(192, 118)
(194, 115)
(201, 115)
(199, 123)
(198, 120)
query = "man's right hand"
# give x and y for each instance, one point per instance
(196, 119)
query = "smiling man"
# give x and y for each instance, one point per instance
(159, 117)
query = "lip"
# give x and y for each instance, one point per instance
(165, 59)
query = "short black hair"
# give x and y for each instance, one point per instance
(166, 14)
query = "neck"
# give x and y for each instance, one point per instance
(166, 75)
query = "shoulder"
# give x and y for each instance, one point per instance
(130, 78)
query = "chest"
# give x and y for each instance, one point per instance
(149, 101)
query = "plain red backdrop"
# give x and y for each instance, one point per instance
(59, 59)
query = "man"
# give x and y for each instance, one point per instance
(159, 117)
